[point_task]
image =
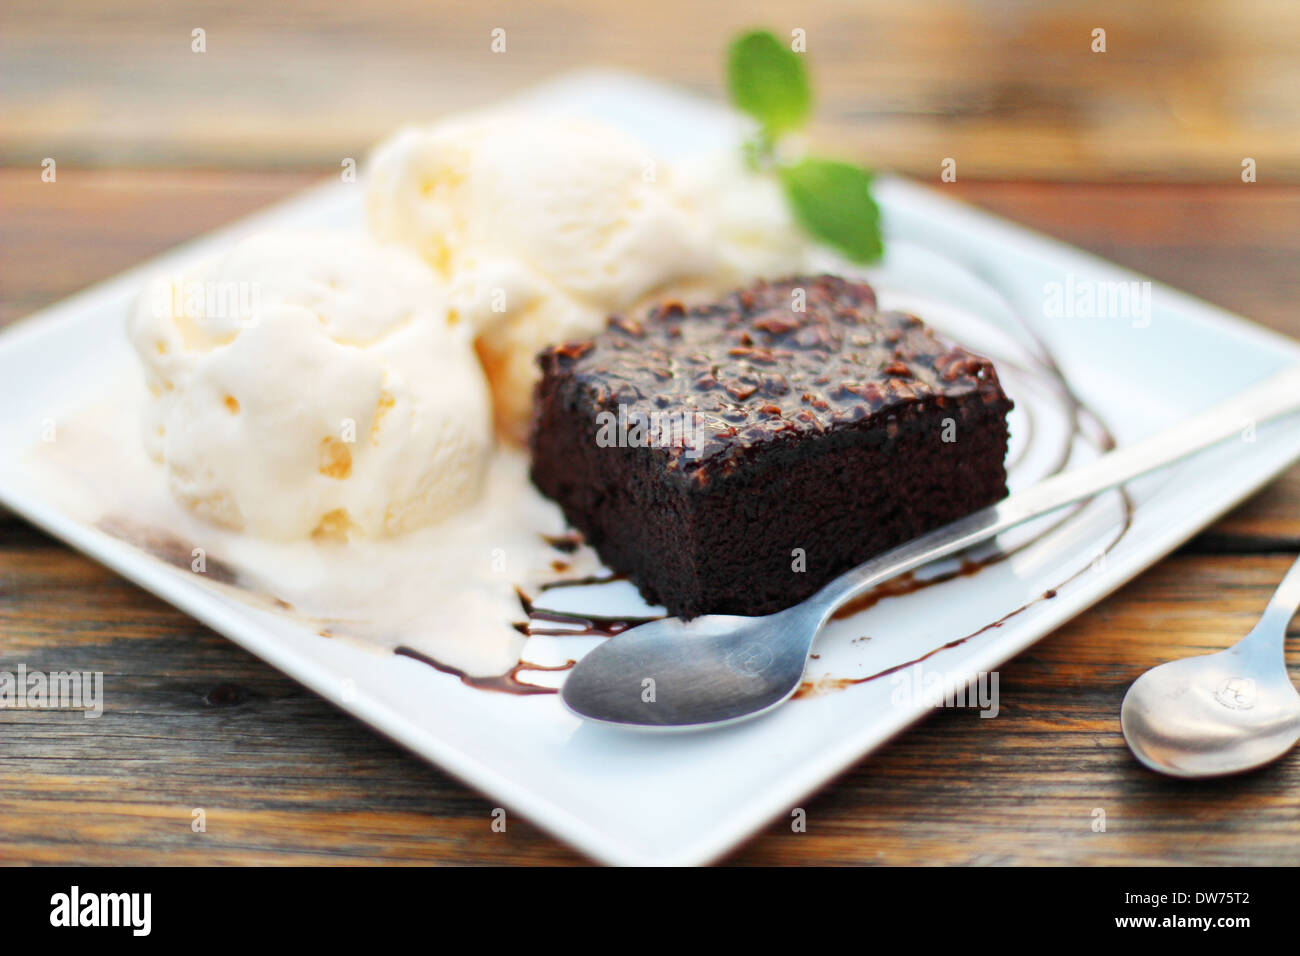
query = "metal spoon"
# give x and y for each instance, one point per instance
(717, 669)
(1222, 713)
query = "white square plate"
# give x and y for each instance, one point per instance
(656, 799)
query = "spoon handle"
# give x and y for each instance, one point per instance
(1285, 602)
(1275, 396)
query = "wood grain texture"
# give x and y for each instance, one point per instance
(194, 722)
(1008, 88)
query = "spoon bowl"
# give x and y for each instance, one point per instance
(706, 672)
(1221, 713)
(1210, 715)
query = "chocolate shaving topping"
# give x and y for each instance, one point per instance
(772, 362)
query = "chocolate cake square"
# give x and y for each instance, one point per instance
(734, 457)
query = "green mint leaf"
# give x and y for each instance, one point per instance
(832, 201)
(768, 81)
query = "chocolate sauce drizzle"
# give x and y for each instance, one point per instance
(566, 543)
(507, 683)
(576, 625)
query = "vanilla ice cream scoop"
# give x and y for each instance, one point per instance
(313, 385)
(750, 224)
(541, 226)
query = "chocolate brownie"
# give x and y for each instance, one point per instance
(734, 457)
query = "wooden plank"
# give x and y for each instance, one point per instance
(1234, 246)
(1183, 92)
(57, 238)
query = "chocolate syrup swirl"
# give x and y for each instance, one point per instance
(507, 683)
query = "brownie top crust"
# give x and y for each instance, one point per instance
(776, 362)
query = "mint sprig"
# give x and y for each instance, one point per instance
(831, 200)
(769, 82)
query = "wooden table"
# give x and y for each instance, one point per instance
(195, 722)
